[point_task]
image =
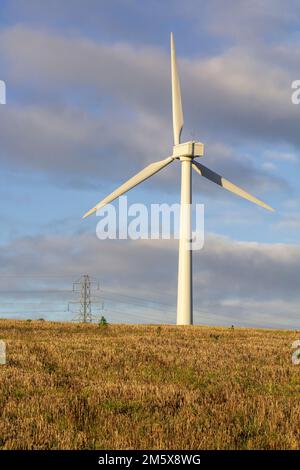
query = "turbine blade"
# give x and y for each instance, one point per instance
(176, 96)
(218, 179)
(131, 183)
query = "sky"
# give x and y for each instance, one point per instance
(89, 105)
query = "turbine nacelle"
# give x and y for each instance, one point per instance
(188, 149)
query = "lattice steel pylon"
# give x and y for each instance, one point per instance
(84, 286)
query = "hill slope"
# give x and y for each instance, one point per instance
(71, 386)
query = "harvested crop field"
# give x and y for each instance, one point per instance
(81, 386)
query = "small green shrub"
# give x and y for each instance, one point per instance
(103, 322)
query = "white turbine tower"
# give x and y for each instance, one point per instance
(186, 153)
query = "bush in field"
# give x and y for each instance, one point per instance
(103, 322)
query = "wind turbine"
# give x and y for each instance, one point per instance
(186, 152)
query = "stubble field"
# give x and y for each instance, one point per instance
(76, 386)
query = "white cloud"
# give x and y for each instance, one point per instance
(289, 157)
(234, 282)
(229, 96)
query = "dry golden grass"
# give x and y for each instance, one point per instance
(71, 386)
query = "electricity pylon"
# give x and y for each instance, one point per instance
(84, 286)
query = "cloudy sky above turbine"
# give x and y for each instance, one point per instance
(89, 105)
